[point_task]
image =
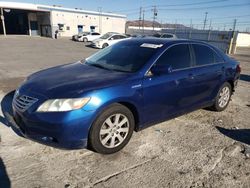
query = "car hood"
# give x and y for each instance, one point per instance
(71, 80)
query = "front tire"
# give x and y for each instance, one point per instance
(85, 40)
(112, 130)
(105, 45)
(223, 97)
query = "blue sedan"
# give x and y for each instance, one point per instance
(98, 102)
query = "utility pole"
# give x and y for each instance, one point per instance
(100, 19)
(191, 24)
(209, 32)
(3, 23)
(205, 20)
(154, 16)
(140, 18)
(191, 27)
(175, 26)
(232, 46)
(143, 13)
(234, 25)
(210, 25)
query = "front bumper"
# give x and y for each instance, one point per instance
(95, 45)
(65, 130)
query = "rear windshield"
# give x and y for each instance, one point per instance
(124, 57)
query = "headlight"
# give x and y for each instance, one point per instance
(62, 105)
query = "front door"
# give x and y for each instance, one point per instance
(34, 28)
(170, 93)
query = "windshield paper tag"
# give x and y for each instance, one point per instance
(147, 45)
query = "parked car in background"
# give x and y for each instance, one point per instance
(165, 35)
(108, 39)
(89, 36)
(100, 101)
(75, 37)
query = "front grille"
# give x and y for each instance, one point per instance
(23, 102)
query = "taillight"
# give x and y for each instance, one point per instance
(238, 69)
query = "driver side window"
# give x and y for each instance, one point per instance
(177, 57)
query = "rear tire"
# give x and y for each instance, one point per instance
(223, 97)
(112, 130)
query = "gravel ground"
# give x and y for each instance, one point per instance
(200, 149)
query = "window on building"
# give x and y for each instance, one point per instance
(92, 28)
(80, 28)
(60, 27)
(68, 28)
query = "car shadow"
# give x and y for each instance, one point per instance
(245, 77)
(4, 178)
(241, 135)
(6, 107)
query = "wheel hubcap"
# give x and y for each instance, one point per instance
(114, 130)
(224, 97)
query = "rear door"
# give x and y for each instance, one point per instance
(170, 93)
(208, 72)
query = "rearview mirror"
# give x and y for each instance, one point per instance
(161, 69)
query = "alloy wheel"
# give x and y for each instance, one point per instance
(114, 130)
(224, 97)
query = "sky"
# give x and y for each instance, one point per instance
(221, 13)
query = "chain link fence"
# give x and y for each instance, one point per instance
(220, 39)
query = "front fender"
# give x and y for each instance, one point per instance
(101, 99)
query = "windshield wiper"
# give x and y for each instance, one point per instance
(98, 65)
(119, 70)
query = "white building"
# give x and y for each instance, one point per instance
(43, 20)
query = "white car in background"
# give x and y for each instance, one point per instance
(89, 36)
(108, 39)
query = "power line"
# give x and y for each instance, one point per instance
(173, 5)
(211, 7)
(189, 4)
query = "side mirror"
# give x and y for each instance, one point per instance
(111, 38)
(161, 69)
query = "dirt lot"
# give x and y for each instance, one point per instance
(200, 149)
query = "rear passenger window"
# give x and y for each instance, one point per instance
(217, 58)
(116, 37)
(205, 55)
(178, 57)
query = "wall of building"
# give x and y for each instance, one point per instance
(243, 40)
(71, 21)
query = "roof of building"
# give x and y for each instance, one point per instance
(47, 8)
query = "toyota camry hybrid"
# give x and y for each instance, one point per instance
(99, 102)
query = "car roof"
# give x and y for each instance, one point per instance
(117, 34)
(164, 41)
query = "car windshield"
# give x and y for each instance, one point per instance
(123, 57)
(106, 36)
